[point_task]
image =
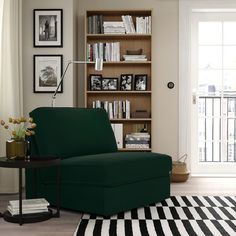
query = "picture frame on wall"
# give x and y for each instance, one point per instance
(48, 28)
(140, 82)
(126, 82)
(110, 84)
(47, 73)
(95, 82)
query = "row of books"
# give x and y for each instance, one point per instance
(29, 206)
(116, 109)
(137, 140)
(144, 25)
(96, 25)
(105, 51)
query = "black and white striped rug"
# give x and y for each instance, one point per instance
(176, 216)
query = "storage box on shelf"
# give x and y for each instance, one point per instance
(123, 39)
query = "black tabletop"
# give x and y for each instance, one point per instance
(32, 162)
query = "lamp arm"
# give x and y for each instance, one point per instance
(98, 67)
(58, 86)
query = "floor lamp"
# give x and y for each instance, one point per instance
(98, 67)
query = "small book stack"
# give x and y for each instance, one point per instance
(137, 140)
(29, 206)
(135, 57)
(114, 27)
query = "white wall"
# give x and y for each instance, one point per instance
(165, 64)
(67, 98)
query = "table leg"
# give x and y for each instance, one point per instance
(20, 196)
(58, 192)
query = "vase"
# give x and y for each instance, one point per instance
(16, 149)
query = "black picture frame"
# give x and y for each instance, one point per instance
(47, 73)
(109, 84)
(140, 82)
(95, 82)
(48, 27)
(126, 82)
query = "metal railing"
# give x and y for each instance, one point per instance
(217, 128)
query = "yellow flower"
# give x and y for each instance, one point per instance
(32, 132)
(18, 121)
(27, 133)
(14, 121)
(10, 120)
(33, 125)
(2, 122)
(31, 120)
(13, 133)
(6, 126)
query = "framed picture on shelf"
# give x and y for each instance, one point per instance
(110, 84)
(48, 28)
(95, 82)
(126, 82)
(140, 82)
(47, 73)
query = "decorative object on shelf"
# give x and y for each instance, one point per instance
(48, 28)
(140, 114)
(109, 83)
(140, 82)
(134, 52)
(47, 73)
(126, 82)
(179, 170)
(95, 82)
(18, 129)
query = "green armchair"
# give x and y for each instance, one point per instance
(95, 177)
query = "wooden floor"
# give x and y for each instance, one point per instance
(66, 224)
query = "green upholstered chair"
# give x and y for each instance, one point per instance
(95, 177)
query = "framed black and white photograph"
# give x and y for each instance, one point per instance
(95, 82)
(140, 82)
(126, 82)
(47, 73)
(110, 84)
(48, 28)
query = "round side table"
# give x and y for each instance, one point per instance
(32, 162)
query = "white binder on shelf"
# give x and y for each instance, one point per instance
(118, 131)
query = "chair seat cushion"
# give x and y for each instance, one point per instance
(114, 169)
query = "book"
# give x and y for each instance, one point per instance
(29, 206)
(118, 132)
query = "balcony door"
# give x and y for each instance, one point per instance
(213, 84)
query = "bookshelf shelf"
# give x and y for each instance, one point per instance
(108, 36)
(131, 119)
(119, 92)
(96, 44)
(135, 150)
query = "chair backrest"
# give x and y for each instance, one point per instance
(68, 132)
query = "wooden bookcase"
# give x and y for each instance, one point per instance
(139, 100)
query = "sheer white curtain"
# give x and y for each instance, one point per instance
(11, 97)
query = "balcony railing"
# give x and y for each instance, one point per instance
(217, 128)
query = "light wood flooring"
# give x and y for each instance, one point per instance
(66, 224)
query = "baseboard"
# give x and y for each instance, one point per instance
(213, 175)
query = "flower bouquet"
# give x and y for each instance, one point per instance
(18, 129)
